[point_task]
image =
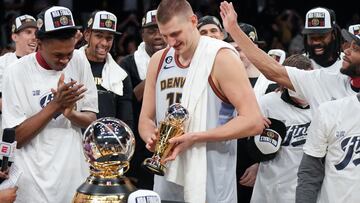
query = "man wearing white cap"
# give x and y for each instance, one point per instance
(23, 34)
(353, 29)
(322, 39)
(112, 82)
(48, 97)
(137, 65)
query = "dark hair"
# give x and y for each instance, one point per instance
(170, 8)
(63, 34)
(299, 61)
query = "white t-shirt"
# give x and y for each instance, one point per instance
(319, 86)
(335, 134)
(276, 179)
(53, 162)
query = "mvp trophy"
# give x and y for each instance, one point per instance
(108, 146)
(171, 126)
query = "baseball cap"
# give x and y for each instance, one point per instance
(55, 18)
(264, 147)
(278, 54)
(348, 36)
(319, 20)
(149, 19)
(144, 196)
(209, 20)
(22, 22)
(250, 31)
(354, 29)
(103, 21)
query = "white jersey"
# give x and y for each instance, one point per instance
(276, 179)
(335, 134)
(221, 156)
(261, 86)
(319, 86)
(53, 162)
(5, 61)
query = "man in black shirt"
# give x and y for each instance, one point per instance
(136, 65)
(112, 82)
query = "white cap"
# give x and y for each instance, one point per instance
(354, 29)
(268, 142)
(56, 18)
(22, 22)
(103, 20)
(144, 196)
(278, 54)
(319, 20)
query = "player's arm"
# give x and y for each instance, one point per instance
(310, 177)
(147, 125)
(230, 78)
(270, 68)
(65, 96)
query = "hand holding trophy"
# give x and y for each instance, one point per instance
(171, 126)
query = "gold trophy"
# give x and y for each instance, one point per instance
(171, 126)
(108, 146)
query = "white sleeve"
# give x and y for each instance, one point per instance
(13, 113)
(305, 84)
(318, 132)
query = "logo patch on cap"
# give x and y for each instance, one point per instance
(252, 35)
(39, 23)
(316, 19)
(61, 18)
(270, 137)
(106, 21)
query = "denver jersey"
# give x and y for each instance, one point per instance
(221, 156)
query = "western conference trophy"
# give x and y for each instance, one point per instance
(108, 146)
(171, 126)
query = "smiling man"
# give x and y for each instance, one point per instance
(112, 82)
(23, 34)
(322, 39)
(48, 97)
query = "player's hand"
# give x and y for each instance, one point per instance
(67, 94)
(151, 140)
(181, 143)
(8, 195)
(266, 122)
(249, 177)
(228, 15)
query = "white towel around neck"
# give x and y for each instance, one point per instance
(189, 169)
(142, 59)
(112, 74)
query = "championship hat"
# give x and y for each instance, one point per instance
(349, 37)
(144, 196)
(278, 54)
(264, 147)
(319, 20)
(55, 18)
(103, 21)
(149, 19)
(22, 22)
(354, 29)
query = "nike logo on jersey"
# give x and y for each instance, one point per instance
(168, 67)
(351, 148)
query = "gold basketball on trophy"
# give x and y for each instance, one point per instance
(171, 126)
(108, 146)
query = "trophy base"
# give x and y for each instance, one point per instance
(154, 167)
(104, 190)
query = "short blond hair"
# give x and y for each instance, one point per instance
(167, 9)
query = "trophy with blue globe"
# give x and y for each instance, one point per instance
(171, 126)
(108, 146)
